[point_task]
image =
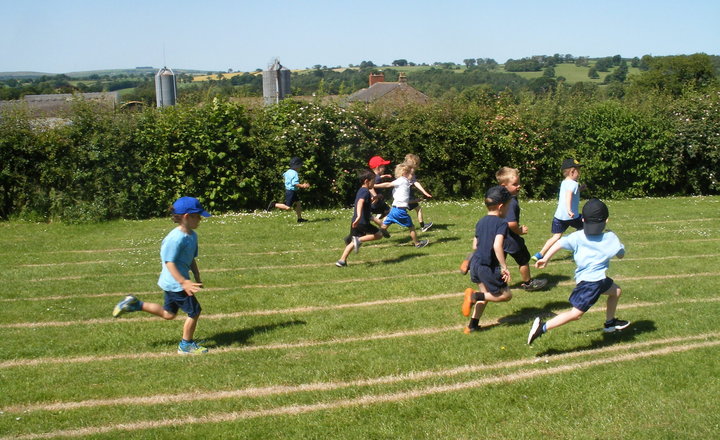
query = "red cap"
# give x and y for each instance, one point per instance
(376, 161)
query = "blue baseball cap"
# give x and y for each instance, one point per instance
(189, 205)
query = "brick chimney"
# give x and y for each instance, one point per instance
(376, 78)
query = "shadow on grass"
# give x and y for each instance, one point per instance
(553, 281)
(444, 240)
(607, 339)
(238, 337)
(320, 219)
(395, 260)
(527, 314)
(241, 337)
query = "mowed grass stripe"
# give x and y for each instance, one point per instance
(413, 376)
(312, 309)
(369, 399)
(306, 344)
(459, 255)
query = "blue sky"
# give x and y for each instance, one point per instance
(61, 36)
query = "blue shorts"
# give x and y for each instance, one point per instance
(183, 301)
(560, 226)
(586, 293)
(491, 277)
(399, 216)
(291, 197)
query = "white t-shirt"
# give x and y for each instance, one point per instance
(401, 192)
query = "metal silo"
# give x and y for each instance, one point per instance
(276, 83)
(165, 87)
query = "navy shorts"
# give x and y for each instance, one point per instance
(515, 246)
(379, 207)
(586, 293)
(491, 277)
(399, 216)
(560, 226)
(183, 301)
(362, 230)
(413, 205)
(291, 197)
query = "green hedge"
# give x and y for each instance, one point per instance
(105, 164)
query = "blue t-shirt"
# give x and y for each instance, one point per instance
(592, 253)
(363, 194)
(486, 229)
(181, 249)
(574, 188)
(292, 178)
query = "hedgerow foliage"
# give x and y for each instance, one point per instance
(104, 164)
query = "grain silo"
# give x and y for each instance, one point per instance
(165, 87)
(276, 83)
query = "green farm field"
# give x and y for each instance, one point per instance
(302, 349)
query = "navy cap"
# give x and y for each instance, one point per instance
(595, 214)
(497, 194)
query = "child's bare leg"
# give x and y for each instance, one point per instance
(564, 317)
(419, 214)
(525, 273)
(613, 298)
(413, 235)
(346, 252)
(551, 241)
(189, 328)
(157, 310)
(283, 206)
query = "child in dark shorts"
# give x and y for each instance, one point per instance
(487, 266)
(361, 229)
(592, 250)
(177, 252)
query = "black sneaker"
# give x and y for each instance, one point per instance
(426, 226)
(301, 220)
(615, 324)
(535, 331)
(340, 263)
(534, 284)
(270, 206)
(384, 233)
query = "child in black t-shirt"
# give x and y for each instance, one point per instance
(361, 229)
(487, 266)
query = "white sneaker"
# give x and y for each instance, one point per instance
(356, 244)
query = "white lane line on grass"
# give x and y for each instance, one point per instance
(307, 344)
(412, 376)
(367, 399)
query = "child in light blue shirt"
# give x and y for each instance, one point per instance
(292, 184)
(592, 250)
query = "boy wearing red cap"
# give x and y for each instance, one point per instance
(379, 206)
(177, 252)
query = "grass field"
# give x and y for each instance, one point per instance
(302, 349)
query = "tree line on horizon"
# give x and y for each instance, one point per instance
(437, 80)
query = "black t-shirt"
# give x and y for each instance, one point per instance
(364, 194)
(485, 231)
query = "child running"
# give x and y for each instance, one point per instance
(292, 184)
(361, 230)
(592, 250)
(567, 213)
(379, 206)
(487, 266)
(514, 243)
(414, 161)
(177, 253)
(401, 198)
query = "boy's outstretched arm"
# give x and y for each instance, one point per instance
(498, 247)
(384, 185)
(548, 255)
(422, 190)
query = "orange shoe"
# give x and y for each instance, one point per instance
(468, 330)
(465, 266)
(468, 301)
